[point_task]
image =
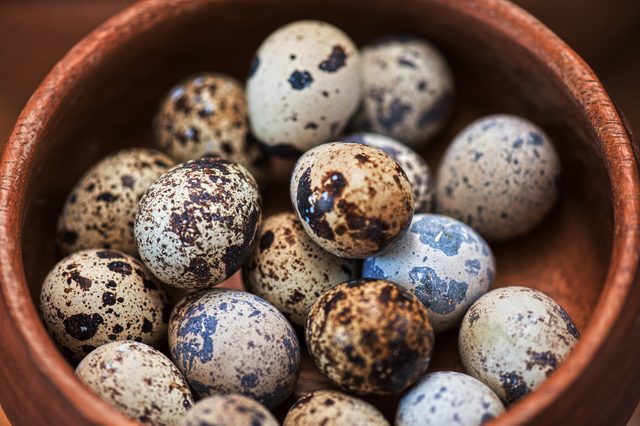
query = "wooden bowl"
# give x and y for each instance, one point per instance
(104, 92)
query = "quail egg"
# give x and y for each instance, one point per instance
(332, 408)
(445, 263)
(100, 210)
(353, 200)
(138, 380)
(414, 166)
(408, 89)
(198, 222)
(370, 337)
(304, 84)
(206, 114)
(291, 271)
(92, 297)
(500, 176)
(228, 410)
(228, 341)
(513, 338)
(447, 397)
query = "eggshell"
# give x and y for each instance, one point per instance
(447, 397)
(513, 338)
(500, 176)
(332, 408)
(370, 337)
(228, 341)
(93, 297)
(138, 380)
(414, 166)
(228, 410)
(206, 114)
(353, 200)
(291, 271)
(408, 89)
(445, 263)
(100, 209)
(196, 224)
(303, 86)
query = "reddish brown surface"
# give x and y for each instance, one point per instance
(504, 61)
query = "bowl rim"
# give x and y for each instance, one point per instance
(20, 316)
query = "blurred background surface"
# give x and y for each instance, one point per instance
(35, 34)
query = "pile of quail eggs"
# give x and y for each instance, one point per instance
(373, 259)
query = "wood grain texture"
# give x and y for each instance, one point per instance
(584, 256)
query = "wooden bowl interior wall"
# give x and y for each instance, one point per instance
(566, 257)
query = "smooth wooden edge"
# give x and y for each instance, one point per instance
(21, 316)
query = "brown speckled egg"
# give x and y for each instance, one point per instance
(353, 200)
(92, 297)
(304, 84)
(100, 210)
(228, 341)
(332, 408)
(138, 380)
(197, 223)
(513, 338)
(291, 271)
(228, 410)
(206, 114)
(370, 337)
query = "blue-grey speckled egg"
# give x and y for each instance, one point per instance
(447, 397)
(228, 341)
(445, 263)
(499, 175)
(408, 89)
(414, 166)
(304, 84)
(513, 338)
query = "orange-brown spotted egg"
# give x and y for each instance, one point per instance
(370, 337)
(353, 200)
(206, 114)
(291, 271)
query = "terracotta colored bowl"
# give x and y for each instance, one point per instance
(103, 94)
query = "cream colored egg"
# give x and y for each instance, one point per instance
(101, 207)
(513, 338)
(332, 408)
(228, 410)
(138, 380)
(93, 297)
(291, 271)
(304, 85)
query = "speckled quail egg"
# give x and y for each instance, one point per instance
(92, 297)
(332, 408)
(408, 89)
(353, 200)
(100, 210)
(228, 410)
(206, 114)
(291, 271)
(445, 263)
(198, 222)
(413, 165)
(138, 380)
(304, 84)
(227, 341)
(370, 337)
(500, 176)
(513, 338)
(447, 397)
